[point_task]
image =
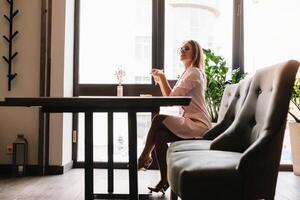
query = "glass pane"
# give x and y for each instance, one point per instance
(120, 135)
(207, 21)
(271, 32)
(100, 137)
(271, 36)
(114, 34)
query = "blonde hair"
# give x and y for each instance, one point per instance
(197, 56)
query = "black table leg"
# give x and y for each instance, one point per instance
(88, 167)
(133, 176)
(110, 152)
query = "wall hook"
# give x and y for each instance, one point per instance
(9, 39)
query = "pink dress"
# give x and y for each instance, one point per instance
(194, 120)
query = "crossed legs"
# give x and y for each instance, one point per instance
(158, 137)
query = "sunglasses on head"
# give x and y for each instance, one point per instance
(184, 49)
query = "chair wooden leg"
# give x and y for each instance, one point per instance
(173, 195)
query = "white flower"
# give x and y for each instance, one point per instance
(120, 73)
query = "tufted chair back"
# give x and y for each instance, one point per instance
(257, 131)
(227, 97)
(232, 100)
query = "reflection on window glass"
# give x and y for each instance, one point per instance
(115, 33)
(207, 21)
(120, 135)
(271, 32)
(271, 36)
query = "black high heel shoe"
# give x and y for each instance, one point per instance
(144, 165)
(160, 187)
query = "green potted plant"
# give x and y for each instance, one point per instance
(216, 73)
(294, 127)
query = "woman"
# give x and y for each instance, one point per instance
(194, 120)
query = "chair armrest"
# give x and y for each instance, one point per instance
(229, 140)
(217, 130)
(251, 152)
(259, 151)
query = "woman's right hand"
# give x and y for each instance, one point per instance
(157, 74)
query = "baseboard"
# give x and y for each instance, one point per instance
(68, 166)
(56, 170)
(286, 167)
(34, 170)
(5, 170)
(116, 165)
(31, 170)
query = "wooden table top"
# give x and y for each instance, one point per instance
(103, 103)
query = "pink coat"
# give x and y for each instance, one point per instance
(194, 120)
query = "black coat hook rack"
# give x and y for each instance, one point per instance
(9, 39)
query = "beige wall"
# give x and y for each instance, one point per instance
(21, 120)
(27, 64)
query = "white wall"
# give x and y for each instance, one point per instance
(68, 78)
(61, 79)
(16, 120)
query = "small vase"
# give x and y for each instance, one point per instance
(120, 90)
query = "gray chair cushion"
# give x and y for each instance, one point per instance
(189, 145)
(189, 171)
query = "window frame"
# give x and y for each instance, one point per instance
(129, 89)
(158, 22)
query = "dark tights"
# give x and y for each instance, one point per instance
(158, 137)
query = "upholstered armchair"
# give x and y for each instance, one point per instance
(242, 162)
(232, 100)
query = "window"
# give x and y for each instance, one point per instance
(209, 22)
(113, 34)
(120, 135)
(271, 32)
(138, 35)
(271, 36)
